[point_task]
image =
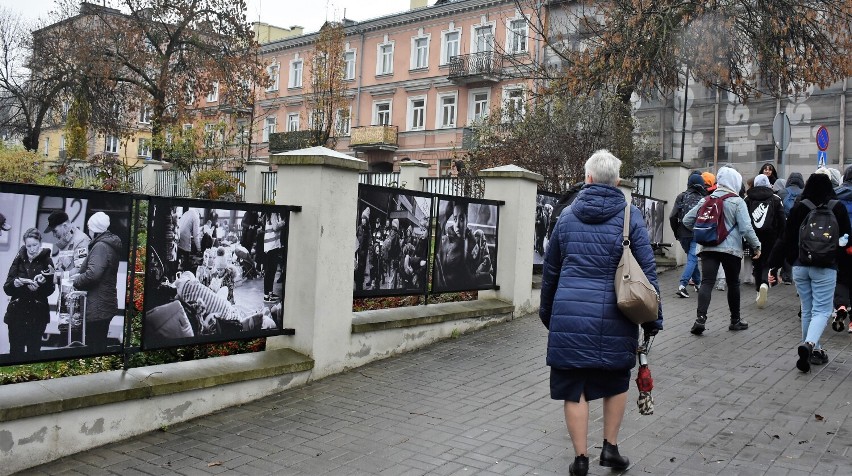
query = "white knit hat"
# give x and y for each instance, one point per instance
(99, 222)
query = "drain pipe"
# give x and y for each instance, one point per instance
(842, 135)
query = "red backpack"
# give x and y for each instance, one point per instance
(710, 228)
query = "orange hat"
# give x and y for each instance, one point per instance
(709, 181)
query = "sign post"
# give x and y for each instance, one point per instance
(822, 145)
(781, 137)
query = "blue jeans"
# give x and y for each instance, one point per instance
(816, 290)
(690, 270)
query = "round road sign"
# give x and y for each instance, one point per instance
(822, 138)
(781, 131)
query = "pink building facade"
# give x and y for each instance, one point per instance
(417, 81)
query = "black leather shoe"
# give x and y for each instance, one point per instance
(698, 325)
(738, 325)
(611, 459)
(580, 466)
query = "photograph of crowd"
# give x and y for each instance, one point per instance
(465, 245)
(63, 264)
(544, 218)
(654, 215)
(215, 272)
(392, 241)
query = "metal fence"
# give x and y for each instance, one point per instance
(171, 183)
(241, 176)
(458, 186)
(270, 183)
(385, 179)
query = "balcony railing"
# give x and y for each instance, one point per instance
(484, 66)
(374, 138)
(293, 140)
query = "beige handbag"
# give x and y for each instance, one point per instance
(635, 296)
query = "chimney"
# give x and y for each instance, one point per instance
(415, 4)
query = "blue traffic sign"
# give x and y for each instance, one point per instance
(822, 158)
(822, 138)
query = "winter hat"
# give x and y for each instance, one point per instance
(779, 185)
(709, 181)
(836, 177)
(729, 178)
(99, 222)
(695, 179)
(761, 181)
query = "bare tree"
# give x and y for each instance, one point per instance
(327, 101)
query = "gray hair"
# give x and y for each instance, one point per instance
(603, 167)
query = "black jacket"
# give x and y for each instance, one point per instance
(98, 276)
(35, 301)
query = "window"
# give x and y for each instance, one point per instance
(293, 121)
(115, 110)
(349, 65)
(269, 128)
(420, 53)
(385, 60)
(447, 110)
(296, 74)
(209, 135)
(111, 144)
(316, 120)
(187, 127)
(513, 104)
(65, 107)
(451, 40)
(46, 146)
(241, 137)
(518, 31)
(272, 71)
(478, 105)
(382, 113)
(213, 95)
(144, 148)
(62, 142)
(145, 115)
(342, 122)
(483, 38)
(416, 113)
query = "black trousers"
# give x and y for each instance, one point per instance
(710, 262)
(25, 338)
(760, 266)
(270, 265)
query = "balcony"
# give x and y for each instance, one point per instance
(374, 138)
(484, 67)
(293, 140)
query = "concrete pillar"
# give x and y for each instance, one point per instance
(670, 179)
(516, 233)
(149, 175)
(410, 173)
(318, 293)
(254, 181)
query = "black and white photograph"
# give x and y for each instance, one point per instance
(544, 204)
(465, 245)
(63, 264)
(654, 214)
(215, 271)
(392, 241)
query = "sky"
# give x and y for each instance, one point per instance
(310, 14)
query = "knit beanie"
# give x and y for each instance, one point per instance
(761, 181)
(695, 179)
(99, 222)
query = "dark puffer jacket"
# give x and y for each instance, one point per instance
(35, 302)
(98, 275)
(578, 292)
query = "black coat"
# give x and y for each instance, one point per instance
(27, 306)
(98, 276)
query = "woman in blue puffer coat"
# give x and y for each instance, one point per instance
(591, 345)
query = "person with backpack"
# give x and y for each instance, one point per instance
(812, 245)
(684, 202)
(564, 201)
(844, 265)
(720, 222)
(768, 220)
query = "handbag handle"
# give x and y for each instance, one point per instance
(626, 233)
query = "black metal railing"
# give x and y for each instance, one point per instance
(486, 63)
(385, 179)
(471, 187)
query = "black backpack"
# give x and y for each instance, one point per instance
(818, 235)
(690, 199)
(762, 214)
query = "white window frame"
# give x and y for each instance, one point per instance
(62, 141)
(472, 116)
(292, 121)
(416, 115)
(144, 149)
(316, 116)
(474, 43)
(46, 146)
(349, 67)
(269, 127)
(380, 57)
(415, 51)
(241, 132)
(511, 35)
(376, 104)
(213, 95)
(297, 69)
(145, 115)
(342, 126)
(508, 91)
(187, 127)
(274, 73)
(111, 144)
(445, 53)
(441, 107)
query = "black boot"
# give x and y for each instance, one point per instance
(580, 466)
(698, 325)
(738, 325)
(611, 459)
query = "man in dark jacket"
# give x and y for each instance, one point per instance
(768, 220)
(684, 202)
(98, 275)
(844, 264)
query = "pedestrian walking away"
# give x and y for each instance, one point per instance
(768, 220)
(728, 253)
(591, 345)
(684, 202)
(844, 264)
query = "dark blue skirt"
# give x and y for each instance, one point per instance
(569, 384)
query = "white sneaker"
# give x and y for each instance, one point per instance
(762, 295)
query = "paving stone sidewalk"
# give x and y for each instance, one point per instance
(726, 403)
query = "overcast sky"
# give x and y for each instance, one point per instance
(307, 13)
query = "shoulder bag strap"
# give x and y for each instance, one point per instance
(626, 233)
